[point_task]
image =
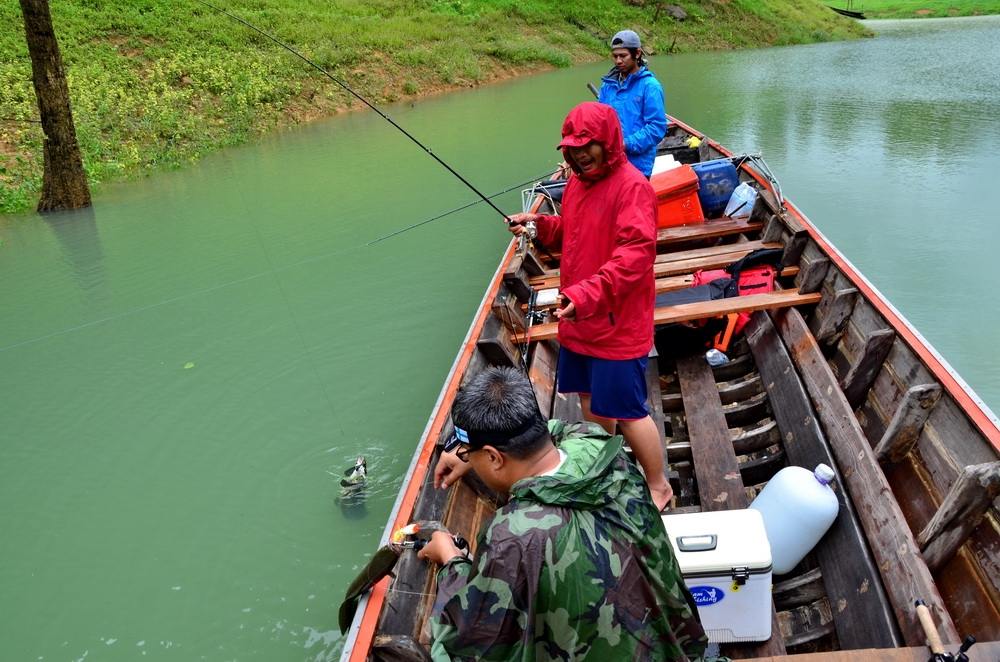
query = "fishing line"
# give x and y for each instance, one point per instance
(456, 209)
(360, 98)
(214, 288)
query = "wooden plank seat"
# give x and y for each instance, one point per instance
(687, 312)
(678, 263)
(686, 262)
(721, 227)
(741, 248)
(714, 229)
(666, 284)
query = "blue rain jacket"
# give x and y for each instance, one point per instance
(638, 100)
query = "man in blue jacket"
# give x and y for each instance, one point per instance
(635, 94)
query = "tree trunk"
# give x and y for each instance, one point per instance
(64, 185)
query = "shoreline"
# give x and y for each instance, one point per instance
(160, 88)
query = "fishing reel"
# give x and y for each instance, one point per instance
(416, 535)
(938, 653)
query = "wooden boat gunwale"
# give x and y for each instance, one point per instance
(370, 606)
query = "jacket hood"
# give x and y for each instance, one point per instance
(587, 479)
(597, 122)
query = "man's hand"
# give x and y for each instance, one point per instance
(440, 549)
(449, 469)
(517, 222)
(567, 312)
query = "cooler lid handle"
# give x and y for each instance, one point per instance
(702, 543)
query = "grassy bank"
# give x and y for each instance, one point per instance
(924, 8)
(159, 83)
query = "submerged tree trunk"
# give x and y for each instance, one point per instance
(64, 185)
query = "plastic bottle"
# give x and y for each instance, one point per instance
(741, 202)
(716, 358)
(798, 507)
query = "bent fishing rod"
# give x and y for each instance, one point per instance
(363, 100)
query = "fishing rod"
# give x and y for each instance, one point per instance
(362, 100)
(455, 210)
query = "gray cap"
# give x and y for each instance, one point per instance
(626, 39)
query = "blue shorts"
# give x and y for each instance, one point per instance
(617, 388)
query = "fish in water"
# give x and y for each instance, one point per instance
(381, 565)
(352, 490)
(355, 478)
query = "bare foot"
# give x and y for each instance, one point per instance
(662, 496)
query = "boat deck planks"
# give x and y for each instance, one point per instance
(720, 485)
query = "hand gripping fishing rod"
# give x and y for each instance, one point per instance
(362, 100)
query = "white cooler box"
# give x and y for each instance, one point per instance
(726, 562)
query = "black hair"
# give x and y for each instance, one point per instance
(500, 400)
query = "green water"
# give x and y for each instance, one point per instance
(186, 370)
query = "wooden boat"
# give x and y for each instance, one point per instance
(827, 371)
(850, 13)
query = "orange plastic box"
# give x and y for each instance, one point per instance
(677, 197)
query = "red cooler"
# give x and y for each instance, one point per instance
(677, 197)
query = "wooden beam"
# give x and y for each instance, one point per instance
(715, 261)
(832, 314)
(859, 378)
(774, 229)
(542, 373)
(905, 574)
(713, 229)
(665, 284)
(814, 265)
(746, 304)
(496, 344)
(794, 247)
(516, 278)
(718, 473)
(959, 513)
(722, 227)
(740, 249)
(686, 312)
(907, 423)
(505, 307)
(861, 613)
(715, 465)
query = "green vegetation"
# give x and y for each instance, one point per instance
(924, 8)
(159, 83)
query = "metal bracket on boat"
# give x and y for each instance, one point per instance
(758, 163)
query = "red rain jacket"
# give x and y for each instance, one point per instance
(607, 234)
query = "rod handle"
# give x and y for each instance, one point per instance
(930, 630)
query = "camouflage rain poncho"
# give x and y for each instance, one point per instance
(577, 565)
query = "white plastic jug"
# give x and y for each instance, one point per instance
(798, 507)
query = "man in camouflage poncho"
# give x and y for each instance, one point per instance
(577, 565)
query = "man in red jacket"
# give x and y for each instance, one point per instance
(607, 234)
